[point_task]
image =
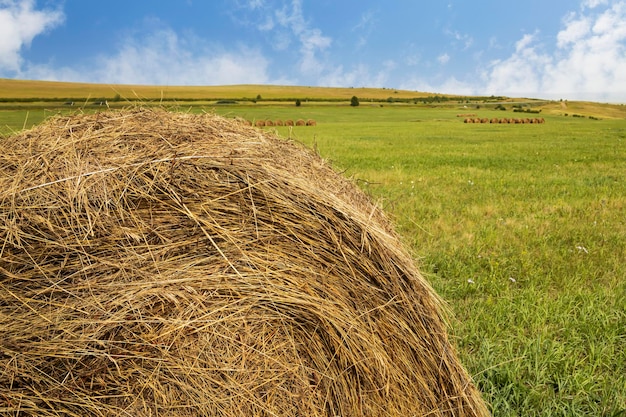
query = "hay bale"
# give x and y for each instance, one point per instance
(157, 263)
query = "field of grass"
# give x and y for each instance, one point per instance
(520, 228)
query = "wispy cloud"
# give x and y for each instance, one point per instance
(443, 58)
(358, 75)
(20, 22)
(465, 40)
(364, 28)
(283, 24)
(311, 40)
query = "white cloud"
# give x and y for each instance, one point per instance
(365, 22)
(285, 27)
(164, 58)
(20, 23)
(450, 85)
(466, 40)
(443, 59)
(364, 28)
(575, 30)
(357, 76)
(594, 3)
(312, 41)
(588, 62)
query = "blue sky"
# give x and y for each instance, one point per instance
(570, 49)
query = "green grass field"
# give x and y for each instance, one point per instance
(520, 228)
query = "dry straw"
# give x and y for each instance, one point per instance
(168, 264)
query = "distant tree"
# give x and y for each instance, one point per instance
(258, 97)
(354, 101)
(298, 103)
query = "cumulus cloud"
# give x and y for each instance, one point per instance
(587, 61)
(166, 58)
(20, 23)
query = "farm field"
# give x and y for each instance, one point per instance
(519, 228)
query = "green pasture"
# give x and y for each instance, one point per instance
(520, 228)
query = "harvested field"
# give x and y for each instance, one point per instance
(158, 263)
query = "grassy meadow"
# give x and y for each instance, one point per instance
(521, 229)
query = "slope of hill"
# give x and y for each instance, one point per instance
(22, 89)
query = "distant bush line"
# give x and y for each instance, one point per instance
(221, 100)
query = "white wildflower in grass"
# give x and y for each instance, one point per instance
(512, 279)
(582, 249)
(470, 281)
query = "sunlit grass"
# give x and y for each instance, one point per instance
(521, 229)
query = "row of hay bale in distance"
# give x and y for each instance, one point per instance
(535, 120)
(262, 123)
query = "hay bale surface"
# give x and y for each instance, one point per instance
(157, 263)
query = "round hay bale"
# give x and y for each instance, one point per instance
(311, 122)
(300, 122)
(279, 122)
(288, 122)
(269, 123)
(260, 123)
(157, 263)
